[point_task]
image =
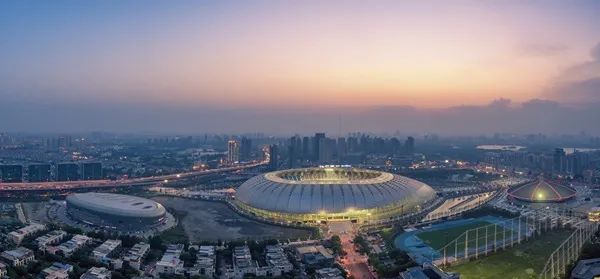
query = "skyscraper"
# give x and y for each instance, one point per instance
(273, 157)
(294, 152)
(245, 149)
(233, 151)
(559, 161)
(409, 145)
(305, 149)
(316, 143)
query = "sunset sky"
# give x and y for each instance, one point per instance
(298, 54)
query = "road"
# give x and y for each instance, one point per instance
(355, 264)
(70, 185)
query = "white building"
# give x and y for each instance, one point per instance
(278, 260)
(97, 273)
(136, 255)
(205, 262)
(18, 257)
(51, 238)
(18, 235)
(75, 243)
(103, 252)
(170, 262)
(57, 271)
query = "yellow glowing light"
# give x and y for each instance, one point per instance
(540, 196)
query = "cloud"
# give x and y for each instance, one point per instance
(580, 83)
(541, 49)
(500, 116)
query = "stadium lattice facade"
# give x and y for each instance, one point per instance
(313, 195)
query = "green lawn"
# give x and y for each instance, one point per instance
(439, 238)
(522, 261)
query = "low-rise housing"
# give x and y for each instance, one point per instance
(328, 273)
(205, 262)
(51, 238)
(18, 235)
(242, 262)
(170, 262)
(68, 248)
(18, 257)
(277, 259)
(3, 270)
(57, 271)
(136, 255)
(97, 273)
(315, 256)
(103, 252)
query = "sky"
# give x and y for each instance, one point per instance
(298, 66)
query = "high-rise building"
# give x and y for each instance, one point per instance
(91, 171)
(11, 173)
(38, 173)
(294, 153)
(233, 151)
(67, 172)
(306, 149)
(245, 149)
(342, 148)
(559, 161)
(409, 145)
(326, 147)
(316, 143)
(273, 157)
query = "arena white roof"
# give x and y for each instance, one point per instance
(116, 204)
(332, 190)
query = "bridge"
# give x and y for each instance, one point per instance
(13, 188)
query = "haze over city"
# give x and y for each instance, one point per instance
(269, 139)
(336, 66)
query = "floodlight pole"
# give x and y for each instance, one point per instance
(466, 245)
(476, 242)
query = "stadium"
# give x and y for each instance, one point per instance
(313, 195)
(542, 190)
(115, 212)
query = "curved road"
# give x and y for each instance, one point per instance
(69, 185)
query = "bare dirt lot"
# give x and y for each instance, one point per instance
(210, 221)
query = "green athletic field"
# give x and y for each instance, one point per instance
(439, 238)
(522, 261)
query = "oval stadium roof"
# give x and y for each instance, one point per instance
(116, 204)
(333, 190)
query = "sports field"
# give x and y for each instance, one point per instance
(439, 238)
(522, 261)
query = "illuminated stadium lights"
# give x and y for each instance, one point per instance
(594, 214)
(319, 194)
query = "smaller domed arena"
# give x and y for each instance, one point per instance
(115, 211)
(542, 190)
